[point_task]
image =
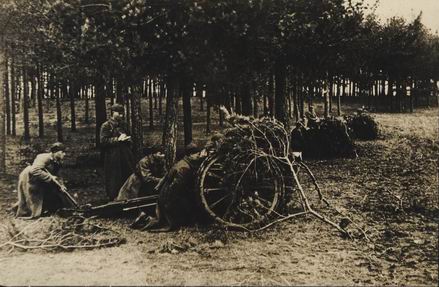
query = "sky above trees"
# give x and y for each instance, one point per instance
(410, 9)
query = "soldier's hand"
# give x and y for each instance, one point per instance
(121, 137)
(124, 137)
(63, 187)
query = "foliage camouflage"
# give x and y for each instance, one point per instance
(362, 126)
(328, 139)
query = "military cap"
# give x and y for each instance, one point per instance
(191, 148)
(117, 108)
(57, 147)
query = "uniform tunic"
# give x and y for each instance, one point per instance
(118, 158)
(36, 190)
(177, 199)
(148, 172)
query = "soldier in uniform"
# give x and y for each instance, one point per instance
(311, 118)
(177, 204)
(148, 172)
(118, 158)
(298, 137)
(39, 190)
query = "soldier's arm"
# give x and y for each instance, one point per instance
(106, 136)
(144, 167)
(38, 169)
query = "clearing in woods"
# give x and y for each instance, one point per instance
(303, 251)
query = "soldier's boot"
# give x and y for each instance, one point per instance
(140, 221)
(157, 225)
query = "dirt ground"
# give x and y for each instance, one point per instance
(390, 190)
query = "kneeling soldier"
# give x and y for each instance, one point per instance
(39, 189)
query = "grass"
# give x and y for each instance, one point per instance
(402, 251)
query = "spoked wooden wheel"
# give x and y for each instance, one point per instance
(242, 197)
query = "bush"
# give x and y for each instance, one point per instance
(362, 126)
(329, 138)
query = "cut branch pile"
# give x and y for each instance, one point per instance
(328, 138)
(60, 234)
(259, 176)
(362, 126)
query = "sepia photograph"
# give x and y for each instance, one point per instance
(219, 142)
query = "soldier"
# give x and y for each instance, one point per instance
(177, 204)
(148, 172)
(297, 137)
(118, 158)
(311, 118)
(39, 190)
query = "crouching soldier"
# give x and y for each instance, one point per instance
(147, 174)
(312, 120)
(177, 204)
(298, 137)
(39, 190)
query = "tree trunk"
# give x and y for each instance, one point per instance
(427, 84)
(208, 117)
(100, 107)
(73, 93)
(161, 96)
(326, 95)
(390, 94)
(296, 98)
(289, 102)
(136, 121)
(411, 97)
(169, 138)
(87, 106)
(40, 103)
(13, 99)
(187, 111)
(339, 97)
(128, 110)
(376, 93)
(301, 97)
(246, 99)
(2, 114)
(354, 89)
(7, 102)
(265, 104)
(154, 93)
(255, 104)
(25, 99)
(280, 93)
(151, 112)
(270, 95)
(330, 91)
(238, 103)
(435, 89)
(58, 114)
(50, 91)
(109, 90)
(399, 95)
(200, 95)
(33, 94)
(220, 117)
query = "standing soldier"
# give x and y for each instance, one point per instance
(118, 159)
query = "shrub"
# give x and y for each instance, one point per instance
(329, 138)
(362, 126)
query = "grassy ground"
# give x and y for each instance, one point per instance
(390, 190)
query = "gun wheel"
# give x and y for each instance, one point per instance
(243, 197)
